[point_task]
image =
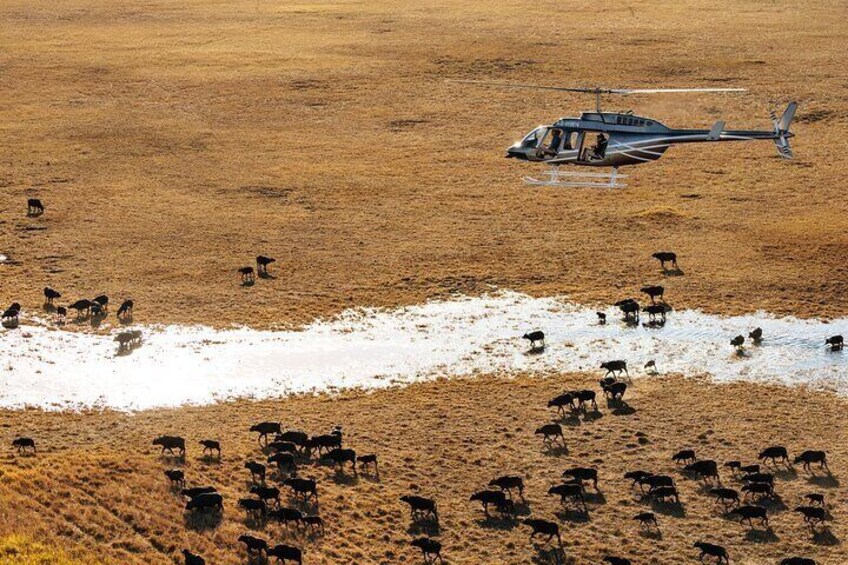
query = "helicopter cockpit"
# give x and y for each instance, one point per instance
(544, 143)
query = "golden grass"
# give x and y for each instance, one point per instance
(97, 484)
(172, 143)
(19, 550)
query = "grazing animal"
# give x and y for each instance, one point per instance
(247, 275)
(34, 207)
(253, 544)
(489, 497)
(760, 490)
(750, 469)
(569, 492)
(324, 441)
(561, 401)
(582, 475)
(602, 318)
(808, 457)
(262, 263)
(61, 311)
(170, 443)
(369, 459)
(734, 466)
(293, 436)
(655, 481)
(177, 477)
(509, 483)
(51, 294)
(756, 335)
(662, 494)
(797, 561)
(758, 478)
(630, 309)
(430, 548)
(306, 488)
(653, 292)
(749, 513)
(281, 447)
(285, 553)
(725, 496)
(652, 365)
(615, 368)
(615, 391)
(206, 501)
(420, 506)
(286, 515)
(684, 456)
(584, 396)
(285, 462)
(194, 492)
(210, 445)
(655, 310)
(616, 560)
(341, 456)
(536, 337)
(313, 522)
(713, 551)
(266, 494)
(102, 301)
(550, 433)
(193, 558)
(12, 312)
(23, 443)
(813, 515)
(665, 257)
(265, 429)
(125, 310)
(543, 528)
(647, 519)
(705, 469)
(773, 454)
(636, 476)
(257, 470)
(815, 498)
(738, 342)
(253, 507)
(836, 342)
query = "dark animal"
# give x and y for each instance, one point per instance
(194, 492)
(655, 310)
(126, 309)
(615, 367)
(757, 335)
(738, 341)
(836, 342)
(489, 498)
(749, 469)
(34, 207)
(774, 453)
(210, 445)
(543, 528)
(125, 339)
(815, 498)
(102, 301)
(758, 478)
(534, 338)
(170, 443)
(266, 493)
(306, 488)
(684, 456)
(734, 466)
(341, 456)
(550, 433)
(265, 429)
(61, 311)
(206, 501)
(247, 275)
(630, 309)
(655, 481)
(285, 462)
(582, 475)
(23, 443)
(508, 484)
(653, 291)
(281, 447)
(253, 507)
(808, 457)
(713, 551)
(51, 295)
(569, 492)
(636, 476)
(665, 257)
(663, 494)
(615, 391)
(616, 560)
(602, 318)
(81, 305)
(257, 470)
(561, 401)
(293, 436)
(262, 263)
(725, 496)
(584, 396)
(430, 548)
(285, 553)
(652, 365)
(749, 513)
(286, 515)
(12, 312)
(369, 459)
(647, 519)
(813, 515)
(313, 522)
(193, 558)
(420, 506)
(253, 544)
(760, 490)
(705, 469)
(177, 477)
(322, 442)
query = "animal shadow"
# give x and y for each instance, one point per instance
(125, 350)
(573, 516)
(11, 324)
(347, 479)
(535, 351)
(126, 320)
(429, 528)
(551, 556)
(674, 509)
(571, 419)
(825, 537)
(495, 523)
(203, 521)
(592, 416)
(761, 536)
(652, 533)
(675, 272)
(595, 498)
(49, 308)
(620, 408)
(555, 450)
(823, 481)
(266, 276)
(248, 283)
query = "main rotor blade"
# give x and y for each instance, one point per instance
(660, 90)
(597, 90)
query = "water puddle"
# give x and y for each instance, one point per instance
(175, 365)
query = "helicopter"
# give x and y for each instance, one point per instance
(617, 139)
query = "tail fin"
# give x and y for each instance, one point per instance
(781, 130)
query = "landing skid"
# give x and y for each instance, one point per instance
(555, 177)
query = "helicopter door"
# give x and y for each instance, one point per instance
(593, 146)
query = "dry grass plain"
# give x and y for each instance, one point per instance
(96, 487)
(172, 142)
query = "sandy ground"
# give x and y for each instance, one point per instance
(96, 486)
(172, 143)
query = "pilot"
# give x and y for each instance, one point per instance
(553, 147)
(600, 146)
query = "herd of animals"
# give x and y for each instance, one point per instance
(286, 452)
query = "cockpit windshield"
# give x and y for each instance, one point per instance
(533, 138)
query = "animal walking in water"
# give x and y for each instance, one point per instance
(536, 339)
(836, 343)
